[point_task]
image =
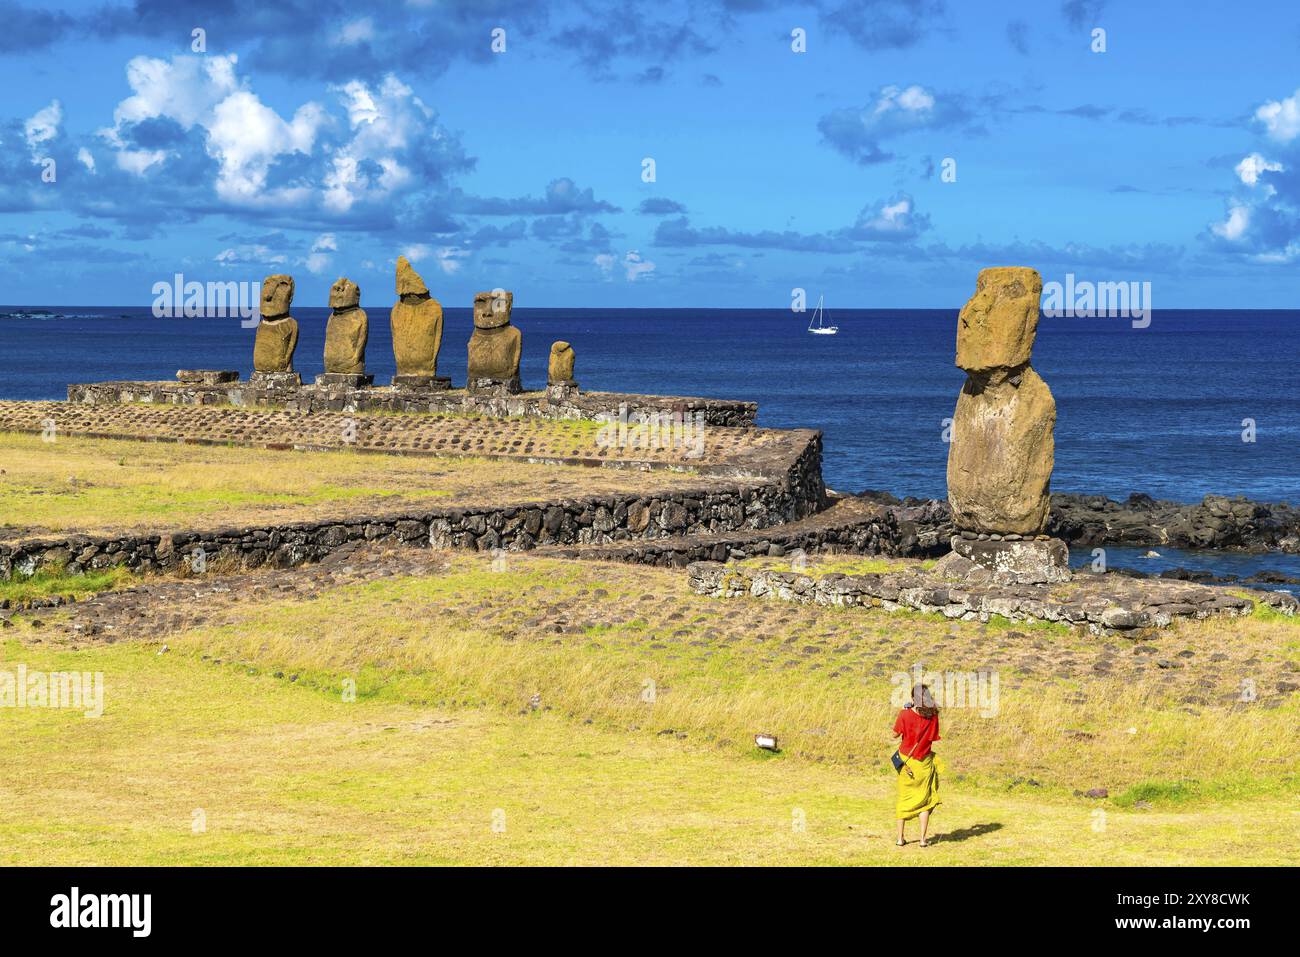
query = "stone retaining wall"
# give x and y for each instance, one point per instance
(513, 527)
(790, 489)
(309, 398)
(850, 525)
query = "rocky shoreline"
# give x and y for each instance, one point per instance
(1217, 522)
(1092, 521)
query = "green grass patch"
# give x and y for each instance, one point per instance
(46, 582)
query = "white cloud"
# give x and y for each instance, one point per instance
(1281, 118)
(384, 122)
(246, 136)
(86, 160)
(243, 134)
(451, 258)
(318, 260)
(892, 217)
(913, 99)
(634, 267)
(361, 30)
(605, 263)
(43, 126)
(1250, 167)
(1234, 227)
(248, 256)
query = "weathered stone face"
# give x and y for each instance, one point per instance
(344, 294)
(409, 282)
(277, 296)
(494, 354)
(417, 324)
(347, 330)
(274, 344)
(492, 309)
(560, 368)
(1001, 456)
(997, 325)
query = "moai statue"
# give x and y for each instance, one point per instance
(495, 346)
(276, 337)
(1002, 451)
(416, 320)
(559, 372)
(345, 338)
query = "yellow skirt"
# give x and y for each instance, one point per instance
(920, 792)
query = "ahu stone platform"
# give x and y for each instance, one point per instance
(564, 403)
(1101, 603)
(715, 451)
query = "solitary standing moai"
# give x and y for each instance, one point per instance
(1002, 452)
(495, 346)
(277, 335)
(559, 372)
(416, 320)
(345, 338)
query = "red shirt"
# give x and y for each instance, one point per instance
(918, 733)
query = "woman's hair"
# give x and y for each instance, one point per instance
(923, 702)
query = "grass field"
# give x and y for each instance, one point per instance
(604, 714)
(195, 763)
(97, 485)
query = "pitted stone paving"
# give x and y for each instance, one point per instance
(1103, 603)
(410, 434)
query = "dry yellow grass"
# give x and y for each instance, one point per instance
(631, 649)
(195, 763)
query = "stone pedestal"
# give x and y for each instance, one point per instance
(485, 386)
(348, 380)
(421, 382)
(560, 391)
(206, 376)
(1028, 561)
(276, 380)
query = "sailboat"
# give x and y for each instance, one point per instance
(816, 327)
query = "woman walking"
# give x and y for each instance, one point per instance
(918, 779)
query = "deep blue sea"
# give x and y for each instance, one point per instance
(1157, 410)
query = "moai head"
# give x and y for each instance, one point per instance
(492, 309)
(997, 325)
(345, 294)
(277, 296)
(409, 282)
(560, 368)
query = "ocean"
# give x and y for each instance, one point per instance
(1161, 410)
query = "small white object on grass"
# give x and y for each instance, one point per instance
(766, 741)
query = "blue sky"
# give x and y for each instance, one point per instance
(326, 138)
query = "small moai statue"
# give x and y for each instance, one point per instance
(1002, 451)
(560, 383)
(416, 320)
(276, 337)
(495, 346)
(345, 338)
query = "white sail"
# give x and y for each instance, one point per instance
(816, 326)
